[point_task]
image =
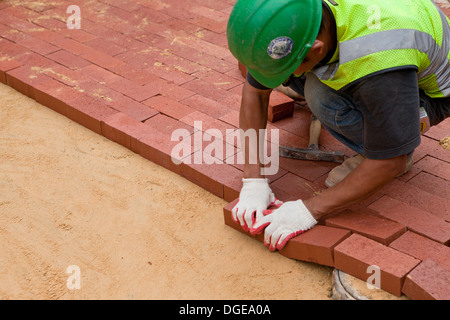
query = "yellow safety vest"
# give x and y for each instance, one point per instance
(380, 35)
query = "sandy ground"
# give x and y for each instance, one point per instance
(69, 197)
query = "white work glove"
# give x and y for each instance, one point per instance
(289, 220)
(255, 197)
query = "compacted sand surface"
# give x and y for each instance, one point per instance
(131, 229)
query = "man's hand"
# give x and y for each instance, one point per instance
(289, 220)
(255, 197)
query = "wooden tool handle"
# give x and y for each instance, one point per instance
(314, 132)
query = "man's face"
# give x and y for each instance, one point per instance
(312, 59)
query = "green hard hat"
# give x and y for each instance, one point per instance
(272, 37)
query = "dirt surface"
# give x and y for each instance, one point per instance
(445, 143)
(135, 230)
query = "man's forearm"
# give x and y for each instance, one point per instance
(253, 115)
(360, 184)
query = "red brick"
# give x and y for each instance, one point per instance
(435, 166)
(232, 100)
(7, 64)
(280, 106)
(413, 218)
(170, 73)
(300, 121)
(177, 9)
(428, 281)
(45, 35)
(16, 22)
(208, 123)
(423, 248)
(136, 75)
(22, 80)
(367, 223)
(209, 61)
(68, 59)
(32, 59)
(419, 198)
(21, 12)
(37, 45)
(356, 253)
(53, 94)
(64, 75)
(102, 59)
(89, 112)
(167, 125)
(98, 73)
(217, 79)
(169, 107)
(296, 186)
(9, 48)
(206, 89)
(72, 46)
(309, 170)
(206, 105)
(50, 23)
(76, 34)
(231, 117)
(209, 24)
(209, 13)
(431, 184)
(117, 101)
(280, 112)
(231, 192)
(141, 57)
(158, 146)
(125, 130)
(316, 245)
(132, 90)
(440, 131)
(150, 14)
(135, 109)
(38, 6)
(105, 46)
(432, 148)
(175, 24)
(170, 58)
(212, 177)
(170, 89)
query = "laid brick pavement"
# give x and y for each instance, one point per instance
(138, 69)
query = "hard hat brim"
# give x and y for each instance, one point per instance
(273, 81)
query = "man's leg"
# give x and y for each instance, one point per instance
(338, 114)
(336, 111)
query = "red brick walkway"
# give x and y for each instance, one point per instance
(137, 70)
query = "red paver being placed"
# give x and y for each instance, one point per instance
(137, 70)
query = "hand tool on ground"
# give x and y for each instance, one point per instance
(312, 152)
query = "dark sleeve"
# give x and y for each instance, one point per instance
(389, 103)
(254, 83)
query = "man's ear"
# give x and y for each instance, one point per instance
(317, 47)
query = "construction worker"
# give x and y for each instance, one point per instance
(369, 71)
